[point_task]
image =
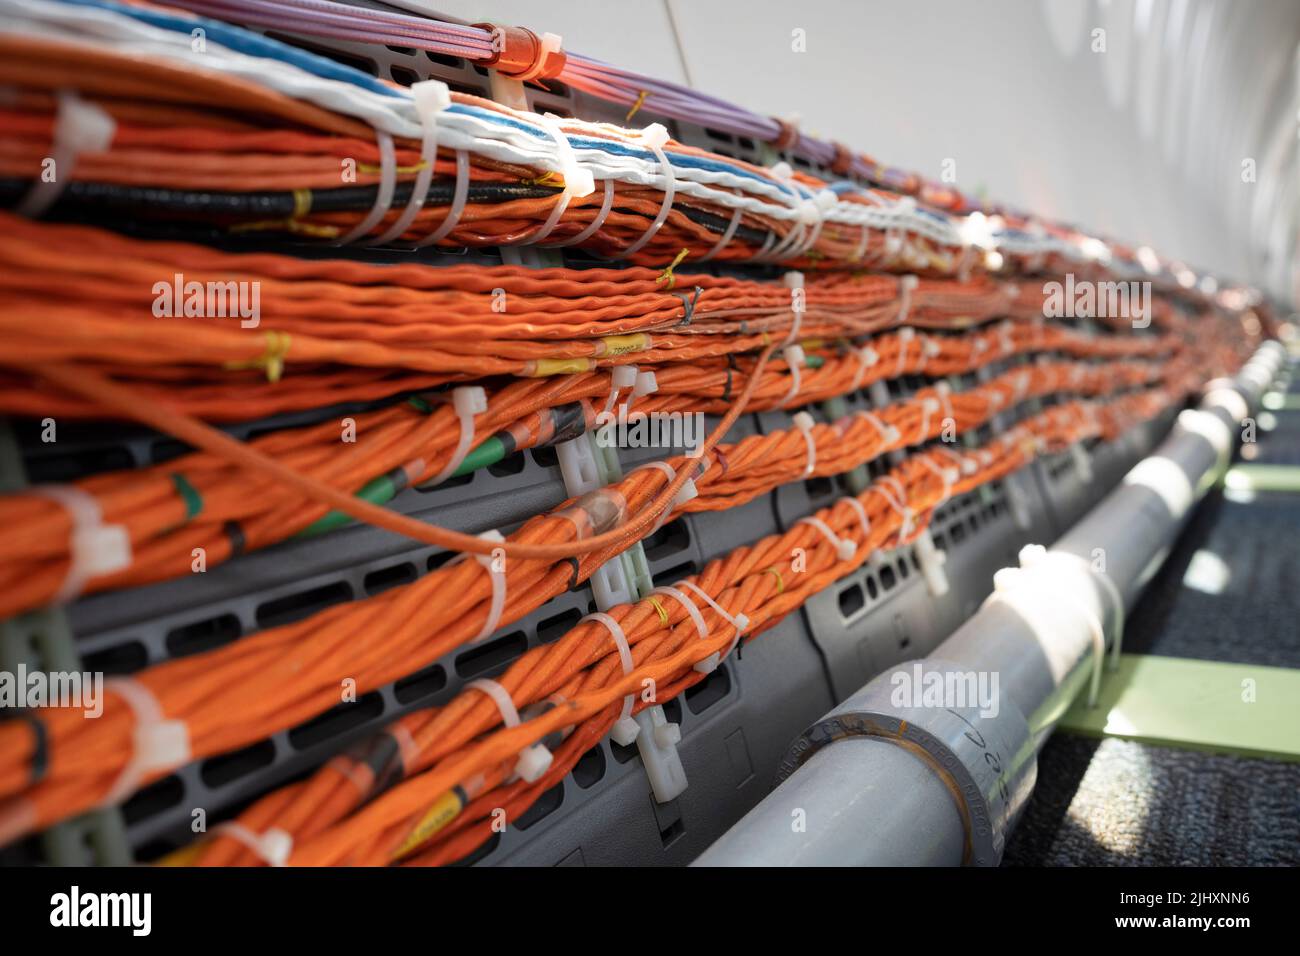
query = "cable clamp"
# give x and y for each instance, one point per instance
(522, 55)
(94, 548)
(534, 759)
(625, 729)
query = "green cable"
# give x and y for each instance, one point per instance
(377, 491)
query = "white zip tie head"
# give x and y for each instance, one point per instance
(646, 384)
(623, 376)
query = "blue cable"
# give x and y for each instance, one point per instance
(247, 42)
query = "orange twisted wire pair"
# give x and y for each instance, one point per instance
(280, 677)
(755, 580)
(173, 508)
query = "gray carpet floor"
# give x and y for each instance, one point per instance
(1118, 803)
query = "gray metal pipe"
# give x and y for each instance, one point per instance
(897, 776)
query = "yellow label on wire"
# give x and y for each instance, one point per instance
(559, 366)
(622, 344)
(445, 809)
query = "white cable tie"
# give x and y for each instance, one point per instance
(158, 744)
(963, 463)
(687, 492)
(861, 510)
(459, 195)
(929, 405)
(822, 203)
(905, 286)
(654, 136)
(905, 336)
(723, 242)
(79, 127)
(845, 548)
(534, 759)
(804, 422)
(607, 203)
(945, 399)
(889, 434)
(578, 181)
(867, 357)
(948, 476)
(625, 729)
(498, 576)
(794, 360)
(739, 621)
(794, 282)
(647, 383)
(469, 401)
(710, 663)
(272, 847)
(622, 378)
(94, 548)
(431, 98)
(384, 197)
(861, 249)
(903, 510)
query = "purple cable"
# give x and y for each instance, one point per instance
(343, 21)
